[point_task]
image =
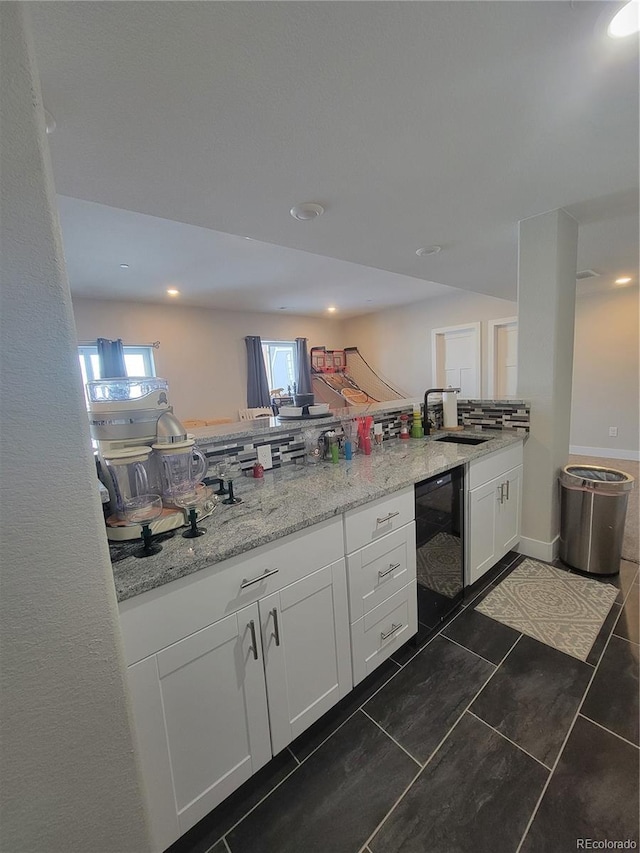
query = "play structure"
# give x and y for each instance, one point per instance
(343, 377)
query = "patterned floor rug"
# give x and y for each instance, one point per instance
(560, 609)
(439, 564)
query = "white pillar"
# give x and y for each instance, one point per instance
(70, 782)
(547, 251)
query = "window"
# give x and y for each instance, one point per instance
(138, 362)
(280, 361)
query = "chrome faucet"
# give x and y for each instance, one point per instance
(425, 418)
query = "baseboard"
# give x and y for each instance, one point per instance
(538, 549)
(605, 452)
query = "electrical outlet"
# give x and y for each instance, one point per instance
(613, 432)
(264, 456)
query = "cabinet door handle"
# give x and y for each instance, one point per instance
(392, 568)
(266, 574)
(254, 639)
(500, 492)
(507, 485)
(391, 631)
(276, 628)
(387, 517)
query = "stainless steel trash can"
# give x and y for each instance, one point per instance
(593, 507)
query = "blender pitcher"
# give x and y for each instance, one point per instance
(128, 476)
(182, 465)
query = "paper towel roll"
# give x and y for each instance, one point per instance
(450, 409)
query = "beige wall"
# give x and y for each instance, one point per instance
(70, 782)
(397, 342)
(202, 352)
(605, 372)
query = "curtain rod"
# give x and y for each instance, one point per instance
(154, 344)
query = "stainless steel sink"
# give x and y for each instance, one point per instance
(461, 439)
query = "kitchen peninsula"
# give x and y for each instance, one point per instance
(239, 640)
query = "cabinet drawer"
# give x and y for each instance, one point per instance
(377, 518)
(387, 627)
(489, 467)
(380, 569)
(162, 616)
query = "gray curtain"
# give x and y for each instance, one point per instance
(257, 387)
(303, 367)
(111, 358)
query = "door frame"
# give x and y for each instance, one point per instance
(476, 329)
(492, 329)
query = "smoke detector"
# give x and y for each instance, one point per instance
(306, 210)
(428, 250)
(580, 276)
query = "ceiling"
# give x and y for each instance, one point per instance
(184, 127)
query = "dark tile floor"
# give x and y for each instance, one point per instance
(473, 738)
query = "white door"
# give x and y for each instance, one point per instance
(509, 511)
(305, 636)
(215, 711)
(503, 358)
(482, 547)
(456, 358)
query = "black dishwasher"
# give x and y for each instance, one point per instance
(440, 545)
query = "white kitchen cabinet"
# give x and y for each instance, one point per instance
(493, 510)
(201, 719)
(381, 572)
(211, 707)
(307, 660)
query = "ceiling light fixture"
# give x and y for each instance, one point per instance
(307, 210)
(428, 250)
(124, 266)
(331, 309)
(49, 122)
(624, 280)
(626, 21)
(173, 292)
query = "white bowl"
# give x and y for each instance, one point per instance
(319, 409)
(290, 411)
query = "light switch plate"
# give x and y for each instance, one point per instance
(264, 456)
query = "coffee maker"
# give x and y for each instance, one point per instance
(137, 436)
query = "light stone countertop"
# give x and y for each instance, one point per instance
(295, 497)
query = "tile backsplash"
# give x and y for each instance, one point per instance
(287, 443)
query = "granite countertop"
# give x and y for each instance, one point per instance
(292, 498)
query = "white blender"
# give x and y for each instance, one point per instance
(145, 450)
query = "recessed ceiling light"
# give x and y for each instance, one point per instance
(428, 250)
(173, 292)
(331, 309)
(626, 21)
(624, 280)
(124, 266)
(248, 238)
(49, 122)
(282, 308)
(307, 210)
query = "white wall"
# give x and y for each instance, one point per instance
(202, 351)
(397, 342)
(69, 778)
(605, 374)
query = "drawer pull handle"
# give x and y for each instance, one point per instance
(276, 628)
(387, 517)
(392, 568)
(391, 631)
(254, 640)
(266, 574)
